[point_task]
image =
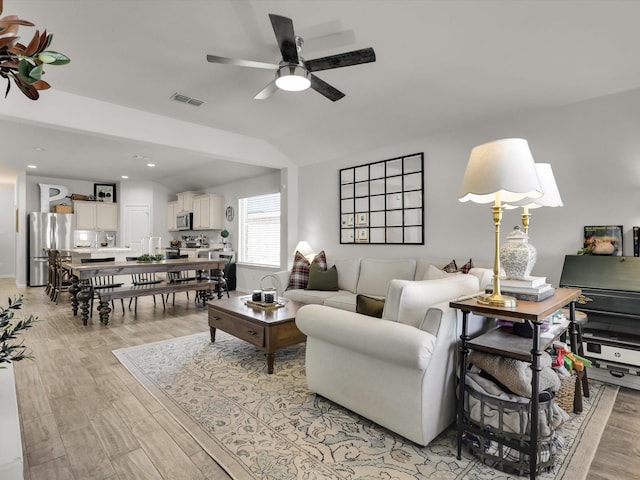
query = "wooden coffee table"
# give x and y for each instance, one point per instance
(268, 329)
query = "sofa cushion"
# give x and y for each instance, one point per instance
(375, 274)
(408, 301)
(348, 272)
(369, 306)
(322, 279)
(317, 297)
(342, 300)
(299, 276)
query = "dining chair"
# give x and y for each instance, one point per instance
(217, 274)
(144, 278)
(102, 282)
(176, 277)
(61, 278)
(51, 273)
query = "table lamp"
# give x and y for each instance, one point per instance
(502, 171)
(305, 249)
(550, 195)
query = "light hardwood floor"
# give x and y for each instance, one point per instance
(83, 416)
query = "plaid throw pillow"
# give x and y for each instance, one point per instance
(466, 267)
(451, 267)
(299, 276)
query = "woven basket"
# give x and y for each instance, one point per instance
(567, 393)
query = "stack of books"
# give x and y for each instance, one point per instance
(534, 289)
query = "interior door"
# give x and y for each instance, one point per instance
(137, 224)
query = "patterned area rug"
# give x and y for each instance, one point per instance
(260, 426)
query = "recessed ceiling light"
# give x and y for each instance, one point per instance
(32, 166)
(125, 176)
(38, 149)
(151, 164)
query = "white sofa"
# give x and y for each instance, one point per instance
(398, 371)
(368, 276)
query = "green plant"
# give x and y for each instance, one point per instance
(150, 258)
(13, 351)
(25, 64)
(224, 233)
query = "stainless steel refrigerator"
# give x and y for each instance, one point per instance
(46, 231)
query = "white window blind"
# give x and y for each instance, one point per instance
(259, 224)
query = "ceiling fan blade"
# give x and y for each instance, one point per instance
(241, 63)
(283, 29)
(365, 55)
(267, 91)
(325, 89)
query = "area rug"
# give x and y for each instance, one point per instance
(260, 426)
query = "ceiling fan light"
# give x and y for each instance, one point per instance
(293, 78)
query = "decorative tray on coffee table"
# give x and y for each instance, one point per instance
(263, 305)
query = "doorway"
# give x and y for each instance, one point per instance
(137, 224)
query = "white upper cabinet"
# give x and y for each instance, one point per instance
(96, 216)
(185, 201)
(208, 212)
(172, 210)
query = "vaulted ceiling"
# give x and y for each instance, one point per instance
(440, 65)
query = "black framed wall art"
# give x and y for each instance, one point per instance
(383, 202)
(105, 192)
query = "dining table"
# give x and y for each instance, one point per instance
(82, 274)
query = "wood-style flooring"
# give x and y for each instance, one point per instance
(83, 416)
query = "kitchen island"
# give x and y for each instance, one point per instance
(120, 253)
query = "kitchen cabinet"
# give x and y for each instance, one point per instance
(185, 202)
(208, 212)
(172, 210)
(98, 216)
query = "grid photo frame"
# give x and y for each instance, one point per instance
(383, 202)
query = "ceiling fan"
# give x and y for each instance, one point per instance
(294, 73)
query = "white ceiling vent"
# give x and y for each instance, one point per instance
(178, 97)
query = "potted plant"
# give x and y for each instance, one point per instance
(12, 351)
(24, 64)
(11, 463)
(225, 235)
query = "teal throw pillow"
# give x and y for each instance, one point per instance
(321, 279)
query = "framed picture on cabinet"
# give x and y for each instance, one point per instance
(104, 192)
(603, 240)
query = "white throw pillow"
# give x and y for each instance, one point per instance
(348, 271)
(433, 273)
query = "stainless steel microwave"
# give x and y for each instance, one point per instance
(184, 221)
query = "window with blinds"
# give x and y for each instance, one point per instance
(259, 224)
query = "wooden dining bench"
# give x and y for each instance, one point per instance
(129, 291)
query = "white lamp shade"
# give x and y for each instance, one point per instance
(304, 248)
(550, 194)
(502, 170)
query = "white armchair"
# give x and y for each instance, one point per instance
(398, 372)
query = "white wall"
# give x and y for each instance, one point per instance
(594, 150)
(248, 277)
(81, 187)
(7, 231)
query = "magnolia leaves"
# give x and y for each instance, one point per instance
(25, 64)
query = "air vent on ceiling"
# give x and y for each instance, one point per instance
(178, 97)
